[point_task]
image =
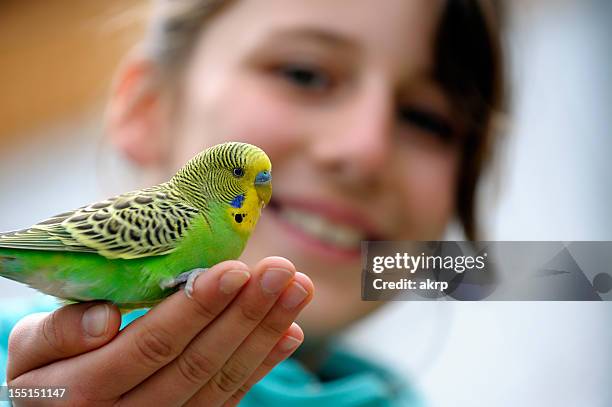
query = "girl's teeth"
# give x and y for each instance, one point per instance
(340, 235)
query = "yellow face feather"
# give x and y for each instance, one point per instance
(245, 209)
(234, 176)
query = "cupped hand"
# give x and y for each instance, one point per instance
(206, 350)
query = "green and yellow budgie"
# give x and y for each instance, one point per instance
(139, 247)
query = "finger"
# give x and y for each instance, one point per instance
(284, 348)
(155, 339)
(209, 351)
(43, 338)
(257, 346)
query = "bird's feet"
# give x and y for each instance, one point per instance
(186, 280)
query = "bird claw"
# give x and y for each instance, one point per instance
(191, 281)
(184, 280)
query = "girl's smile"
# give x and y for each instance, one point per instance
(327, 228)
(360, 131)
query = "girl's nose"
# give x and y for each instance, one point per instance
(354, 139)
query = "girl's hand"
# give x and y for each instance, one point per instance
(208, 350)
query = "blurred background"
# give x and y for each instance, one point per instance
(552, 181)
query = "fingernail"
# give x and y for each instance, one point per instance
(289, 343)
(294, 295)
(232, 280)
(95, 320)
(274, 280)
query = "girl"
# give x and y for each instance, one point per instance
(376, 116)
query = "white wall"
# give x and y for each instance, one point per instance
(61, 167)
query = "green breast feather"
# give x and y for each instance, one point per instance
(129, 248)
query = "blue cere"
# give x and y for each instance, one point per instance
(263, 177)
(237, 201)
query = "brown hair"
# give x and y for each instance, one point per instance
(468, 66)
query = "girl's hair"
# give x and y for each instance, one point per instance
(468, 65)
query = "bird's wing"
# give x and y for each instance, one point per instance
(137, 224)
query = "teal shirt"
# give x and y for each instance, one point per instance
(350, 381)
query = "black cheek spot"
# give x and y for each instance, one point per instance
(238, 218)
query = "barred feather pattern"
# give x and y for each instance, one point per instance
(146, 222)
(207, 177)
(132, 225)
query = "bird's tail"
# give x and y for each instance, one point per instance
(4, 259)
(6, 269)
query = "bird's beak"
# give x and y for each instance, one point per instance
(263, 186)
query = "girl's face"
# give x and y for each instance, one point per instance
(341, 96)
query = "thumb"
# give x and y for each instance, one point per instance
(43, 338)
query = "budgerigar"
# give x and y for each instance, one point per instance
(139, 247)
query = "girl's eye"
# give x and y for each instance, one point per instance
(238, 172)
(304, 76)
(427, 121)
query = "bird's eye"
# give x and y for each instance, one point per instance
(238, 172)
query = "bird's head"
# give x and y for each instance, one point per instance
(227, 173)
